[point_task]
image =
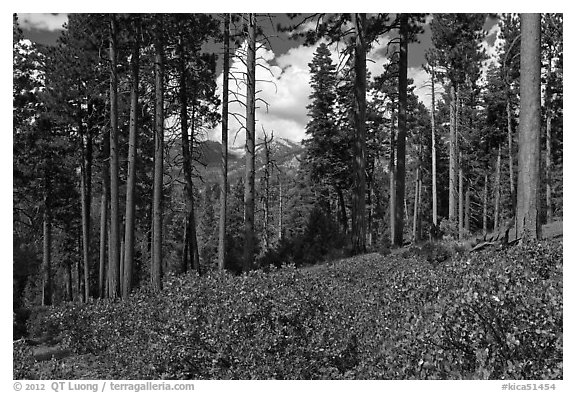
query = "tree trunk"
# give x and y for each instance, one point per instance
(104, 217)
(47, 251)
(131, 181)
(510, 156)
(68, 281)
(392, 176)
(433, 123)
(453, 165)
(460, 201)
(359, 187)
(185, 247)
(485, 206)
(249, 187)
(224, 185)
(280, 212)
(192, 245)
(86, 200)
(401, 143)
(548, 169)
(114, 268)
(267, 173)
(415, 237)
(497, 190)
(528, 222)
(467, 211)
(157, 263)
(342, 209)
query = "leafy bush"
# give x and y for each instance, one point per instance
(492, 315)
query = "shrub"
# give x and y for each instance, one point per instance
(492, 315)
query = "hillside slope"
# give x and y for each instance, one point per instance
(491, 315)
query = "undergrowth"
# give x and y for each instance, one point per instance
(419, 315)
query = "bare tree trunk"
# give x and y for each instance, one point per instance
(157, 263)
(467, 211)
(416, 207)
(453, 165)
(510, 155)
(47, 250)
(249, 236)
(549, 207)
(131, 181)
(280, 213)
(267, 174)
(114, 268)
(528, 222)
(460, 201)
(192, 245)
(185, 259)
(68, 281)
(342, 209)
(497, 189)
(392, 176)
(104, 217)
(485, 206)
(86, 199)
(433, 122)
(224, 185)
(359, 190)
(402, 128)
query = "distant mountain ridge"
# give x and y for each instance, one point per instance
(285, 153)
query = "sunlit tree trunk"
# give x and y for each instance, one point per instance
(433, 123)
(249, 185)
(548, 169)
(528, 222)
(224, 185)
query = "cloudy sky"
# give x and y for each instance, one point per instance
(284, 78)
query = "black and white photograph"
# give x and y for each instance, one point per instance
(287, 196)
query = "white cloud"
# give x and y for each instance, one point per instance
(285, 86)
(50, 22)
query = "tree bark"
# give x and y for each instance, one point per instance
(249, 186)
(497, 189)
(460, 201)
(104, 216)
(392, 175)
(433, 124)
(86, 199)
(548, 169)
(157, 214)
(114, 268)
(47, 250)
(510, 156)
(453, 165)
(224, 185)
(359, 182)
(415, 237)
(401, 142)
(467, 211)
(131, 181)
(192, 244)
(528, 222)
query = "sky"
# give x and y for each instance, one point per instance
(283, 75)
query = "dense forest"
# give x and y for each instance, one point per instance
(121, 193)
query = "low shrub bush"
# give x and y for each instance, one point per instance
(488, 315)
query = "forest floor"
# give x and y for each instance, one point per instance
(50, 352)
